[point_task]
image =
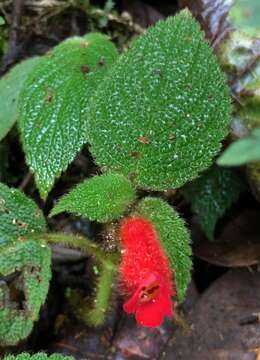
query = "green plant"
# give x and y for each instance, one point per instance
(27, 260)
(150, 118)
(242, 151)
(37, 356)
(239, 57)
(53, 104)
(3, 35)
(211, 195)
(10, 88)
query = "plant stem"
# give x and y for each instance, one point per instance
(84, 244)
(94, 315)
(91, 315)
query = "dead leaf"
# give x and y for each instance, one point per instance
(237, 245)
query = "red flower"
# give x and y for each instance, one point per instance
(145, 272)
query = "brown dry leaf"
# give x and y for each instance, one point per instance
(237, 245)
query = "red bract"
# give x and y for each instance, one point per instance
(145, 272)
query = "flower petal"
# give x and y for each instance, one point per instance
(131, 305)
(151, 314)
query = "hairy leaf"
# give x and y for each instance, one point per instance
(26, 272)
(161, 112)
(19, 216)
(38, 356)
(10, 87)
(24, 265)
(242, 151)
(53, 104)
(211, 195)
(101, 198)
(174, 237)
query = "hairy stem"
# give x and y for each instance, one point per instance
(94, 315)
(104, 287)
(82, 243)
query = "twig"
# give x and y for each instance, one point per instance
(85, 245)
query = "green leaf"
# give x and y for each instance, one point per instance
(161, 112)
(109, 6)
(24, 265)
(211, 195)
(53, 104)
(37, 356)
(102, 198)
(242, 151)
(250, 100)
(245, 15)
(25, 269)
(19, 216)
(238, 54)
(174, 237)
(2, 21)
(10, 87)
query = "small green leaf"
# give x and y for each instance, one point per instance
(175, 239)
(161, 112)
(19, 216)
(242, 151)
(37, 356)
(24, 265)
(2, 21)
(10, 87)
(53, 104)
(211, 195)
(109, 6)
(102, 198)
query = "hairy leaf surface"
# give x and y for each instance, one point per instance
(38, 356)
(174, 237)
(101, 198)
(53, 104)
(211, 195)
(25, 270)
(19, 216)
(24, 265)
(161, 112)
